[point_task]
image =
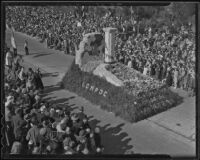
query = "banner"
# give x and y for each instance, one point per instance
(94, 89)
(7, 27)
(13, 39)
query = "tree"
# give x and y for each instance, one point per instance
(181, 11)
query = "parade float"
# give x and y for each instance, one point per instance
(117, 88)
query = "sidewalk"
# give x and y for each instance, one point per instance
(169, 132)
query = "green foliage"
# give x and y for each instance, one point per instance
(179, 13)
(118, 100)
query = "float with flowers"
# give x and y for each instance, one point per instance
(117, 88)
(138, 99)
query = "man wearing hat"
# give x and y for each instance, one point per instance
(175, 77)
(70, 149)
(26, 98)
(37, 102)
(44, 138)
(34, 132)
(16, 148)
(97, 138)
(8, 127)
(62, 125)
(18, 123)
(39, 114)
(66, 143)
(76, 123)
(26, 47)
(85, 124)
(32, 97)
(38, 80)
(9, 59)
(82, 146)
(81, 114)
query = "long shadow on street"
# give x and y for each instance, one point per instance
(113, 139)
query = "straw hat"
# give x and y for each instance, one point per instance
(35, 150)
(18, 90)
(10, 98)
(81, 136)
(66, 142)
(37, 92)
(98, 150)
(24, 90)
(43, 131)
(16, 148)
(54, 124)
(67, 130)
(85, 151)
(18, 110)
(88, 130)
(74, 117)
(97, 130)
(37, 97)
(43, 108)
(48, 148)
(30, 142)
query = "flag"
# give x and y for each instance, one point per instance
(13, 39)
(7, 27)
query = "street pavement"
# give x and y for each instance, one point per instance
(171, 132)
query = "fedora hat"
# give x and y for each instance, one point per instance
(74, 117)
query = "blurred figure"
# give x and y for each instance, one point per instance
(26, 47)
(9, 59)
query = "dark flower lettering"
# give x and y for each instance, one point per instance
(83, 84)
(96, 89)
(101, 92)
(87, 85)
(105, 93)
(91, 88)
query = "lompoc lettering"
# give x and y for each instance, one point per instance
(94, 89)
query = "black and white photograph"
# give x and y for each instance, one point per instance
(99, 79)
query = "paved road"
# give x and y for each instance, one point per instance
(171, 132)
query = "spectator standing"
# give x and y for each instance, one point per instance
(18, 123)
(175, 78)
(9, 59)
(26, 47)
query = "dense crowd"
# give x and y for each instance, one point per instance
(62, 31)
(35, 126)
(162, 55)
(166, 53)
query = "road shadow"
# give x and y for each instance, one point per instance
(113, 139)
(36, 53)
(70, 107)
(50, 74)
(43, 54)
(61, 100)
(49, 89)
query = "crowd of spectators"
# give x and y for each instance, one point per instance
(60, 30)
(163, 55)
(34, 125)
(166, 53)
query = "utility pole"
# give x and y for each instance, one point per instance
(138, 23)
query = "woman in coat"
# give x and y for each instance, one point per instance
(26, 47)
(38, 80)
(169, 79)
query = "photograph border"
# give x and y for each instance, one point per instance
(134, 156)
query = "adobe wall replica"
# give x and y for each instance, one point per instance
(109, 44)
(95, 42)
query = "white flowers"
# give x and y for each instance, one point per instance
(133, 80)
